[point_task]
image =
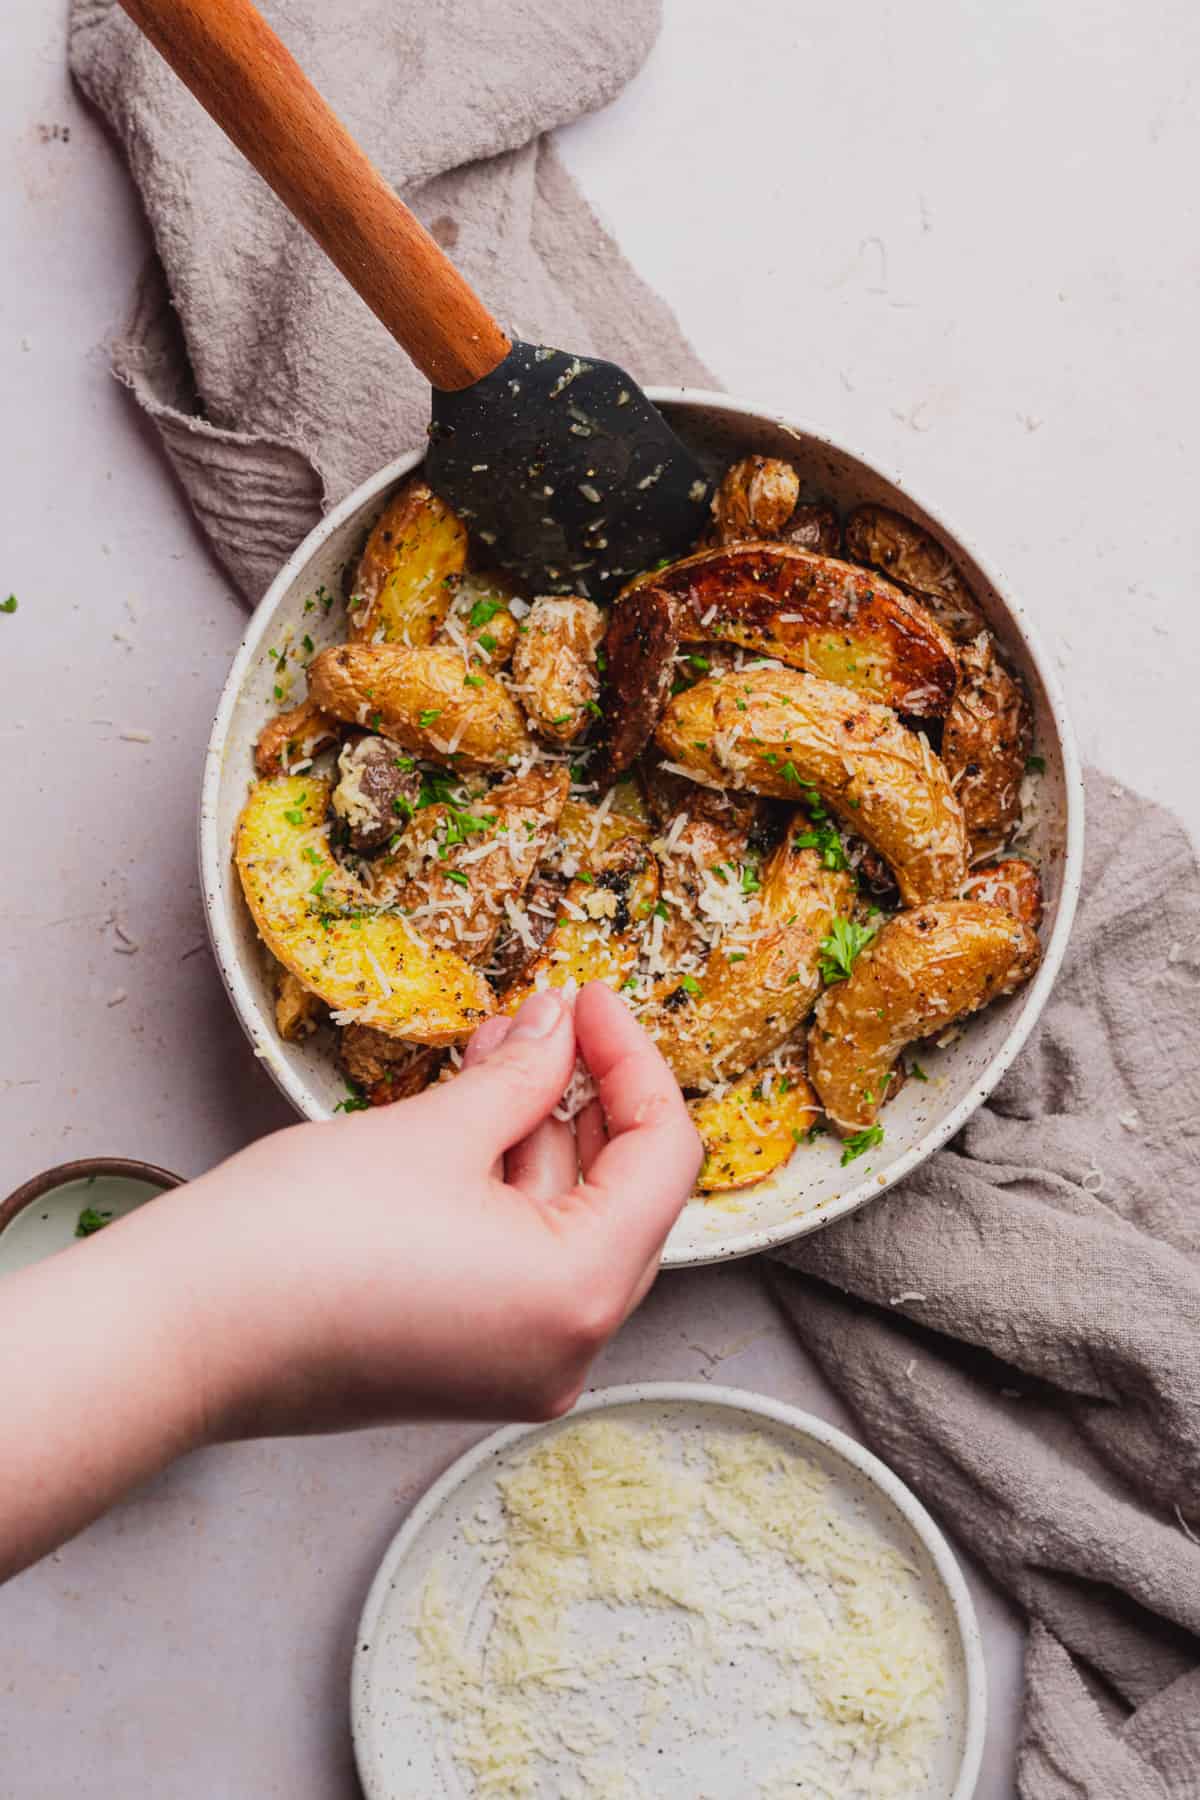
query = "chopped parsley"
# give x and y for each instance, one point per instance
(482, 613)
(318, 886)
(89, 1220)
(486, 641)
(689, 984)
(457, 877)
(701, 663)
(9, 605)
(601, 660)
(792, 773)
(661, 910)
(473, 681)
(562, 719)
(355, 1101)
(1034, 765)
(916, 1071)
(750, 882)
(404, 762)
(401, 807)
(278, 691)
(841, 949)
(425, 719)
(860, 1142)
(308, 643)
(295, 814)
(596, 710)
(736, 956)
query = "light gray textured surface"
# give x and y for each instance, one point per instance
(964, 240)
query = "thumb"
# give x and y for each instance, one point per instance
(509, 1088)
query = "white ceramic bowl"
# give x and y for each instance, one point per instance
(813, 1188)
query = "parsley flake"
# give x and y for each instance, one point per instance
(841, 949)
(860, 1142)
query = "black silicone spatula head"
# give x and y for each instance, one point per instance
(565, 470)
(560, 464)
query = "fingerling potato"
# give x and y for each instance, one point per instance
(293, 737)
(386, 1068)
(554, 665)
(424, 700)
(759, 498)
(639, 652)
(914, 559)
(297, 1012)
(599, 926)
(987, 737)
(585, 835)
(400, 592)
(924, 970)
(754, 1128)
(479, 621)
(777, 731)
(1012, 883)
(371, 968)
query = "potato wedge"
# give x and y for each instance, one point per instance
(639, 657)
(815, 613)
(400, 592)
(924, 970)
(479, 621)
(1013, 884)
(915, 560)
(526, 930)
(776, 731)
(292, 737)
(754, 1128)
(386, 1068)
(759, 984)
(599, 926)
(423, 700)
(706, 858)
(758, 499)
(554, 665)
(585, 836)
(369, 968)
(455, 869)
(987, 738)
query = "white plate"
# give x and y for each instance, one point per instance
(811, 1189)
(401, 1740)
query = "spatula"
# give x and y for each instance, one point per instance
(560, 463)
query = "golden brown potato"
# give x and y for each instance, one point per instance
(815, 613)
(293, 737)
(554, 665)
(479, 622)
(599, 925)
(917, 562)
(704, 860)
(924, 970)
(440, 877)
(759, 498)
(522, 937)
(987, 738)
(639, 663)
(1013, 884)
(753, 1129)
(370, 968)
(297, 1012)
(760, 982)
(400, 592)
(585, 835)
(386, 1068)
(424, 700)
(776, 731)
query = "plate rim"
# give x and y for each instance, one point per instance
(749, 1404)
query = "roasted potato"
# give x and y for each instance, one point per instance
(400, 592)
(294, 737)
(371, 968)
(815, 613)
(455, 869)
(554, 665)
(423, 700)
(758, 985)
(776, 731)
(525, 931)
(917, 562)
(924, 970)
(599, 925)
(752, 1129)
(386, 1068)
(1013, 884)
(640, 646)
(585, 836)
(375, 792)
(297, 1012)
(759, 498)
(479, 621)
(987, 737)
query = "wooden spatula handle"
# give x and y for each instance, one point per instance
(257, 92)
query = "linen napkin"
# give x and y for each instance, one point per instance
(1043, 1393)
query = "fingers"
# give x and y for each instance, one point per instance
(591, 1135)
(544, 1163)
(509, 1083)
(636, 1183)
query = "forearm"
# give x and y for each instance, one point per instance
(102, 1379)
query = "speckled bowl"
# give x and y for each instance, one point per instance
(813, 1188)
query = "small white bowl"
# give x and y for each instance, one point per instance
(397, 1738)
(813, 1188)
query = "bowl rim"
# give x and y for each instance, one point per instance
(129, 1167)
(768, 1237)
(737, 1400)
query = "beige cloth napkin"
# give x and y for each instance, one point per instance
(1044, 1396)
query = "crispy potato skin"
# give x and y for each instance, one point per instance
(924, 970)
(297, 1012)
(282, 854)
(812, 612)
(578, 823)
(759, 498)
(293, 737)
(748, 1134)
(554, 664)
(748, 1006)
(511, 957)
(386, 1068)
(599, 926)
(639, 651)
(987, 737)
(914, 559)
(771, 729)
(374, 791)
(1011, 883)
(391, 689)
(523, 813)
(400, 594)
